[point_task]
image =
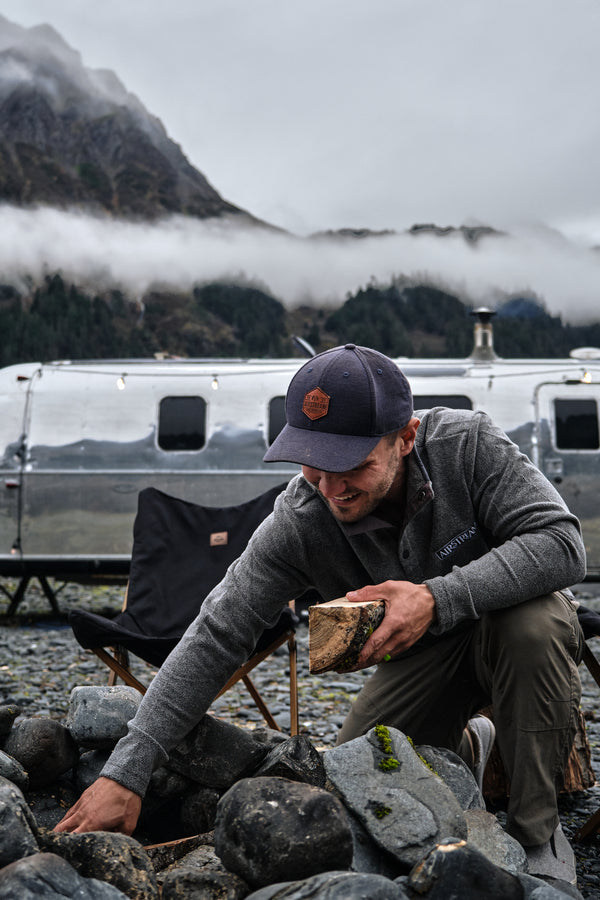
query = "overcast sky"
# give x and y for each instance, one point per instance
(324, 114)
(316, 114)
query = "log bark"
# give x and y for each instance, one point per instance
(166, 853)
(337, 632)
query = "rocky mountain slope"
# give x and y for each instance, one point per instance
(74, 136)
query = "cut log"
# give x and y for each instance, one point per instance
(337, 632)
(164, 854)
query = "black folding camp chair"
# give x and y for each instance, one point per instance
(180, 552)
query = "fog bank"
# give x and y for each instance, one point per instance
(179, 252)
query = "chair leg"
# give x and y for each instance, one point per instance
(254, 661)
(590, 826)
(120, 670)
(262, 706)
(591, 662)
(293, 657)
(121, 656)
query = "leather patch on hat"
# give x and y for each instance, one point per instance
(219, 538)
(316, 404)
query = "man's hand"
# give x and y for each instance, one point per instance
(409, 611)
(104, 806)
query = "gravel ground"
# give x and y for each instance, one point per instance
(40, 663)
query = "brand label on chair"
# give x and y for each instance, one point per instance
(218, 538)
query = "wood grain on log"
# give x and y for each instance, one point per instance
(337, 632)
(164, 854)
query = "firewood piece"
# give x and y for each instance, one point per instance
(164, 854)
(337, 632)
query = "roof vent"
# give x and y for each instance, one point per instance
(483, 348)
(585, 353)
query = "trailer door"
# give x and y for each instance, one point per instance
(568, 453)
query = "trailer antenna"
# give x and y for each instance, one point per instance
(304, 345)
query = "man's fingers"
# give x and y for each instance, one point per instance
(104, 806)
(67, 819)
(366, 594)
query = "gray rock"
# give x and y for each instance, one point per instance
(333, 886)
(296, 759)
(172, 854)
(458, 870)
(403, 805)
(46, 875)
(539, 889)
(98, 715)
(199, 810)
(193, 884)
(114, 858)
(44, 748)
(88, 768)
(268, 829)
(8, 714)
(217, 754)
(455, 773)
(367, 856)
(17, 826)
(167, 797)
(486, 834)
(202, 858)
(166, 784)
(12, 769)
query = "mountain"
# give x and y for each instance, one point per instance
(469, 233)
(74, 136)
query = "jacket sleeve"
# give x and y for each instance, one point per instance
(535, 542)
(232, 618)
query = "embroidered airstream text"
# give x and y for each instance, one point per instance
(453, 545)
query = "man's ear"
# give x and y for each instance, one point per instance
(408, 435)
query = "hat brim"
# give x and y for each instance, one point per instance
(320, 450)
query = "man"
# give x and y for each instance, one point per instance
(468, 545)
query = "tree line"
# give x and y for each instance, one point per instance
(59, 320)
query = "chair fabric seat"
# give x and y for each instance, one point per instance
(181, 550)
(92, 631)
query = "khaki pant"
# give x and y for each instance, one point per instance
(523, 660)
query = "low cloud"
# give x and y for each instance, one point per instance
(99, 252)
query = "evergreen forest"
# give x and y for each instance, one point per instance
(59, 320)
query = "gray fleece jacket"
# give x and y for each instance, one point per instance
(483, 529)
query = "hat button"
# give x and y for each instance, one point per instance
(350, 347)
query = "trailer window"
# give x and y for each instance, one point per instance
(576, 424)
(276, 418)
(182, 423)
(454, 401)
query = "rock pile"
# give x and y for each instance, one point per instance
(251, 814)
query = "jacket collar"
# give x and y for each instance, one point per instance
(419, 492)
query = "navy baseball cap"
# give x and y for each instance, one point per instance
(338, 407)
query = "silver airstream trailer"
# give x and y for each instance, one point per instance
(79, 440)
